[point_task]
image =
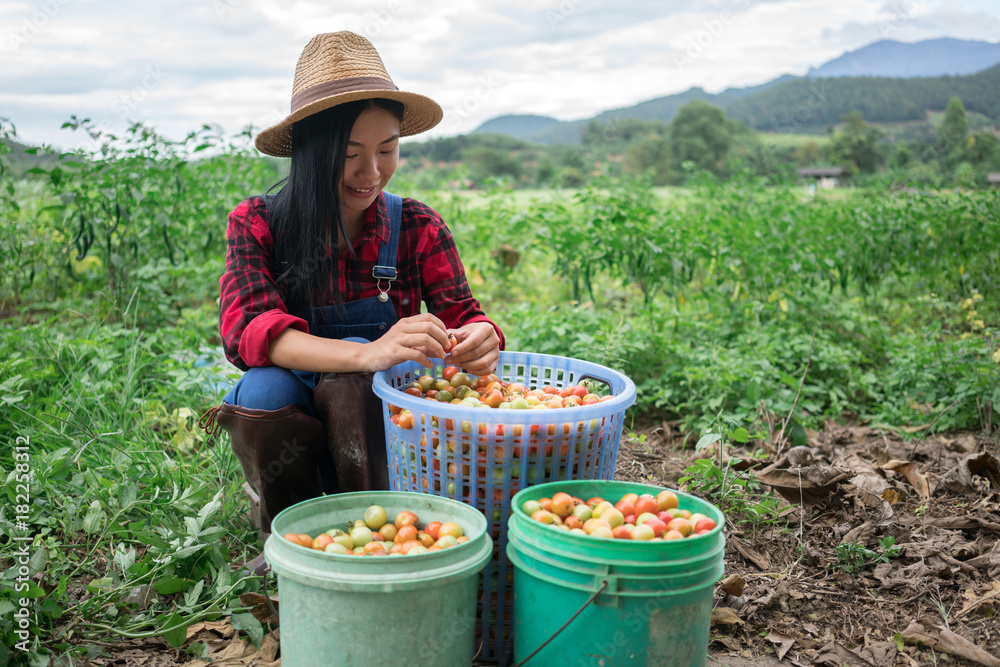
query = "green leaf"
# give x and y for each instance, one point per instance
(707, 439)
(741, 435)
(176, 630)
(900, 642)
(250, 625)
(94, 520)
(170, 584)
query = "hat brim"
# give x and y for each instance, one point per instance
(420, 114)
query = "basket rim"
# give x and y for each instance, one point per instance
(619, 403)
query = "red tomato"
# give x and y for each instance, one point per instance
(414, 391)
(405, 419)
(646, 503)
(432, 529)
(449, 372)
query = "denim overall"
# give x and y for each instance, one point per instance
(362, 321)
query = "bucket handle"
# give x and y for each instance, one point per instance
(579, 611)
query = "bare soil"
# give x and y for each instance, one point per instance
(787, 597)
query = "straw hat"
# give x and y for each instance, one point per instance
(339, 67)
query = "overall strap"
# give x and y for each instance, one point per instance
(385, 268)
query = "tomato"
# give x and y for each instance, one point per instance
(646, 504)
(450, 528)
(405, 420)
(414, 391)
(624, 531)
(682, 526)
(704, 525)
(542, 516)
(295, 539)
(432, 529)
(452, 342)
(625, 507)
(426, 382)
(406, 533)
(666, 500)
(406, 518)
(321, 541)
(449, 372)
(387, 532)
(375, 517)
(425, 539)
(562, 504)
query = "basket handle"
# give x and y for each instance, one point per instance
(588, 376)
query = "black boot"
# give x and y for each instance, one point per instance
(281, 452)
(355, 430)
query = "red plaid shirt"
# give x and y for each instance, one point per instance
(253, 313)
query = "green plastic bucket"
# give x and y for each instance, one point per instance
(656, 609)
(352, 610)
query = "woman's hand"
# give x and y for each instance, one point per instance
(414, 338)
(478, 348)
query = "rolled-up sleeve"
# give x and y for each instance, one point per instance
(251, 311)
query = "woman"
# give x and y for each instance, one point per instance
(324, 283)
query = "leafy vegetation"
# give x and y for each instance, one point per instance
(725, 301)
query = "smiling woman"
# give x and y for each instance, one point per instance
(325, 281)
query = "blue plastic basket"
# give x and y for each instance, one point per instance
(484, 456)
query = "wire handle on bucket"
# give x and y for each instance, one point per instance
(566, 624)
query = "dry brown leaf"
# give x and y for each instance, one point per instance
(782, 641)
(808, 486)
(974, 601)
(725, 617)
(259, 606)
(943, 639)
(269, 647)
(892, 496)
(758, 559)
(916, 479)
(734, 585)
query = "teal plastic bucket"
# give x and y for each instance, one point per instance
(352, 610)
(655, 610)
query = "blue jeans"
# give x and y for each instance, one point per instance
(273, 388)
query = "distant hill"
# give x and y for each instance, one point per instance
(932, 57)
(822, 102)
(919, 80)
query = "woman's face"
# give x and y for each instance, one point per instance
(371, 160)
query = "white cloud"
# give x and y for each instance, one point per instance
(231, 62)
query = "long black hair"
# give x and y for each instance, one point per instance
(307, 212)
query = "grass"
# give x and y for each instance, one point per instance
(716, 299)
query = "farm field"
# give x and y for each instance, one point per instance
(824, 369)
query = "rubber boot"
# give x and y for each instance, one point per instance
(355, 430)
(281, 453)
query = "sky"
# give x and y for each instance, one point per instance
(179, 65)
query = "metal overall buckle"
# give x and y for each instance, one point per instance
(386, 273)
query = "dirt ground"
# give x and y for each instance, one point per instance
(931, 598)
(934, 603)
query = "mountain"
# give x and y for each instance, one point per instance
(886, 80)
(819, 103)
(932, 57)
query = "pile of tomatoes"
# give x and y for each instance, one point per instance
(489, 391)
(633, 517)
(375, 535)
